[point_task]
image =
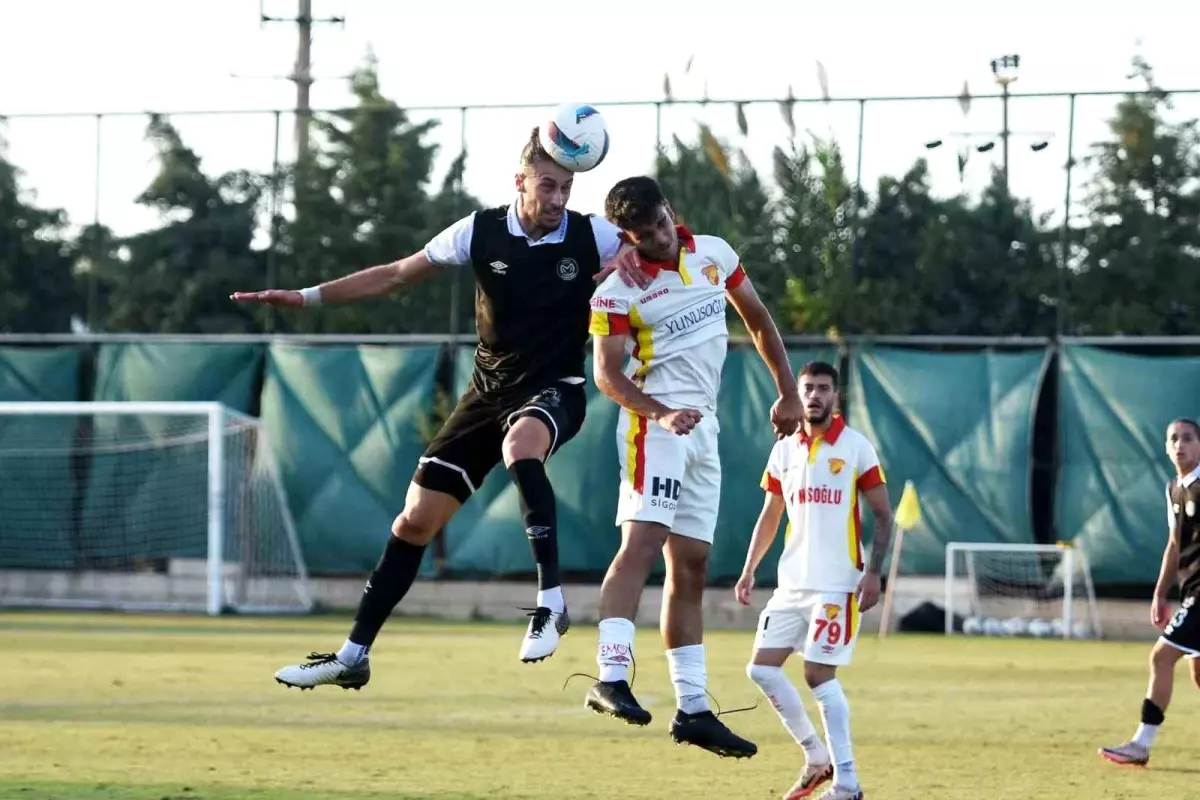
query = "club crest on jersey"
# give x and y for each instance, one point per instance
(710, 272)
(836, 465)
(832, 610)
(567, 269)
(1190, 508)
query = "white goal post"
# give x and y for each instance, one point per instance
(174, 506)
(1040, 590)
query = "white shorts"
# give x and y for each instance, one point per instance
(821, 626)
(669, 479)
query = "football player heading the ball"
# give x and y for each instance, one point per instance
(1180, 562)
(676, 335)
(536, 265)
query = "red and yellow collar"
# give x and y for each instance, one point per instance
(687, 244)
(830, 436)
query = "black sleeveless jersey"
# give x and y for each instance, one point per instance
(1183, 501)
(531, 303)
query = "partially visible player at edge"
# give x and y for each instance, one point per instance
(676, 334)
(535, 266)
(822, 588)
(1180, 562)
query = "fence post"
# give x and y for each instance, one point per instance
(1060, 319)
(858, 191)
(272, 248)
(456, 274)
(93, 288)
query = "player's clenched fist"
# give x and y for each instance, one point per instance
(744, 586)
(680, 421)
(787, 414)
(271, 297)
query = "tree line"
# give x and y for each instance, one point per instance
(829, 256)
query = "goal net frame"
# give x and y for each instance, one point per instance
(219, 591)
(1073, 561)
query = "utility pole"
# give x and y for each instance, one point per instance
(302, 71)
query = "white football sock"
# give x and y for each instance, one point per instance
(615, 653)
(774, 683)
(835, 713)
(352, 653)
(686, 665)
(1145, 735)
(552, 599)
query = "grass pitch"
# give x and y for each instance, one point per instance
(155, 707)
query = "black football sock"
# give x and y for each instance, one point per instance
(538, 506)
(391, 580)
(1151, 713)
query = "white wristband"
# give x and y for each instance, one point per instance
(311, 295)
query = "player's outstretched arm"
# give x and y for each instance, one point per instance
(787, 412)
(760, 542)
(608, 352)
(371, 282)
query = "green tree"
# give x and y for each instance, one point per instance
(716, 191)
(984, 268)
(37, 289)
(1138, 260)
(177, 277)
(361, 198)
(814, 218)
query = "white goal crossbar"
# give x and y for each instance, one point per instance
(252, 469)
(1052, 577)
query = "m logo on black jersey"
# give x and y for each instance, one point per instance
(568, 269)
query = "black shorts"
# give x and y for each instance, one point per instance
(468, 446)
(1183, 631)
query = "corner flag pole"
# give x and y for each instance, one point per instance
(908, 514)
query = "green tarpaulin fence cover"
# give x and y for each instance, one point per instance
(960, 426)
(1113, 412)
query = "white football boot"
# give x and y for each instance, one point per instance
(1129, 754)
(842, 793)
(546, 627)
(324, 669)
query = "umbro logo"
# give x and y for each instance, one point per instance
(498, 267)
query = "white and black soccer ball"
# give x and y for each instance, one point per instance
(972, 626)
(992, 627)
(575, 136)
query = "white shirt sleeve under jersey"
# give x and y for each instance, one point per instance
(452, 247)
(608, 237)
(1170, 512)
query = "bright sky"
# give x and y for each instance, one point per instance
(178, 55)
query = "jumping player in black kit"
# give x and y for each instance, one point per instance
(536, 266)
(1181, 561)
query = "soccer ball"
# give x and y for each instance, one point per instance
(1040, 628)
(972, 626)
(575, 136)
(1015, 626)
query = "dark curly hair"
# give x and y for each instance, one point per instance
(817, 369)
(634, 203)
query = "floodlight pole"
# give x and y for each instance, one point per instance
(1005, 70)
